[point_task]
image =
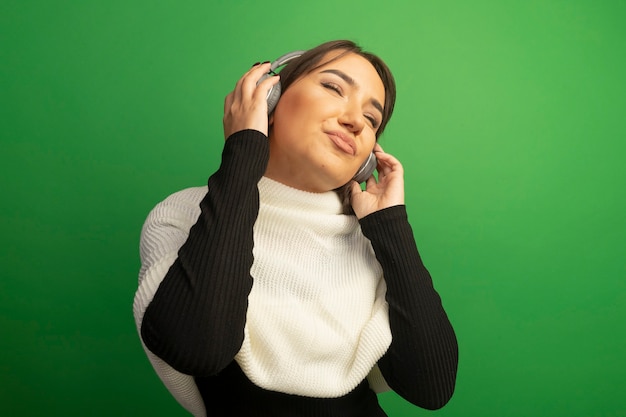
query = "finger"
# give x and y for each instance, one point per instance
(371, 181)
(381, 157)
(255, 73)
(263, 88)
(246, 89)
(382, 163)
(252, 90)
(257, 67)
(250, 81)
(228, 101)
(388, 159)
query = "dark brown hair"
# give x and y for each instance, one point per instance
(312, 59)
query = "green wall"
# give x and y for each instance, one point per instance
(510, 122)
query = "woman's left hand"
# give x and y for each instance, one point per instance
(388, 191)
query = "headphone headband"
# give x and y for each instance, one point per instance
(284, 59)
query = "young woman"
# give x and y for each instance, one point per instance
(284, 288)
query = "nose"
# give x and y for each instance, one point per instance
(352, 120)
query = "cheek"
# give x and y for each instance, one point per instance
(286, 110)
(294, 113)
(291, 100)
(369, 141)
(303, 101)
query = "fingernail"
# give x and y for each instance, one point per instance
(266, 62)
(255, 64)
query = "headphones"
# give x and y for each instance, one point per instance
(369, 166)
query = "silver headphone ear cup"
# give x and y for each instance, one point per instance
(367, 169)
(274, 94)
(272, 97)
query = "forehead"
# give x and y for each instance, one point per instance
(356, 67)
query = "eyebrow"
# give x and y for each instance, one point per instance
(353, 83)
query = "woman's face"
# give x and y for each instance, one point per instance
(325, 124)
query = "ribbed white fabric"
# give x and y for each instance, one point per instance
(317, 319)
(165, 230)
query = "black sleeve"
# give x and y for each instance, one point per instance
(195, 322)
(421, 363)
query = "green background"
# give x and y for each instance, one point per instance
(510, 122)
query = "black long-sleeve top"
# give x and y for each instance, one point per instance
(195, 322)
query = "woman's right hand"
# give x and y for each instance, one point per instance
(246, 106)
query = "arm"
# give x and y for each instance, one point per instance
(196, 319)
(421, 362)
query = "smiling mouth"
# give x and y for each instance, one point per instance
(344, 144)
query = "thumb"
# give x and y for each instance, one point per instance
(355, 189)
(355, 193)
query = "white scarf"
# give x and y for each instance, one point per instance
(317, 319)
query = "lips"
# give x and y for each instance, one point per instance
(343, 142)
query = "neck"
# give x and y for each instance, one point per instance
(292, 173)
(276, 194)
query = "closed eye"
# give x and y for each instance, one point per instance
(334, 87)
(372, 120)
(337, 89)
